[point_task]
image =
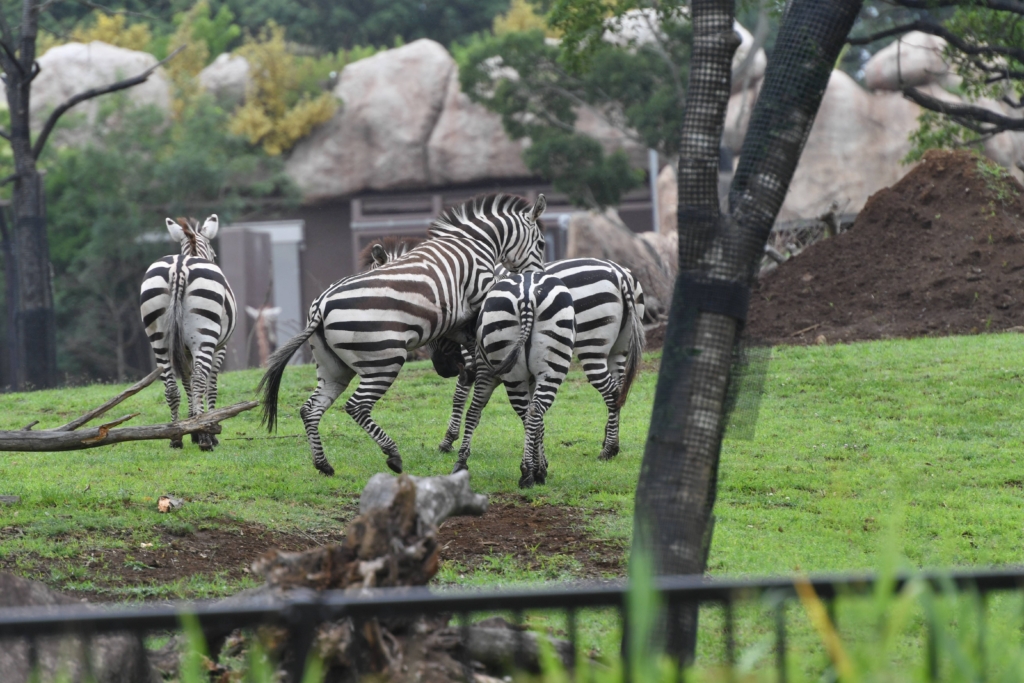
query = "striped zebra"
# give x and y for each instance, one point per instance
(609, 305)
(188, 310)
(525, 337)
(367, 324)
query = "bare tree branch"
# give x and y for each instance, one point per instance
(49, 440)
(96, 412)
(94, 92)
(1014, 6)
(9, 179)
(983, 120)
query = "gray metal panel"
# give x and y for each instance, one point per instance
(245, 258)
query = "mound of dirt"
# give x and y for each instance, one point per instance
(941, 252)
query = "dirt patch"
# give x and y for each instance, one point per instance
(226, 551)
(530, 534)
(941, 252)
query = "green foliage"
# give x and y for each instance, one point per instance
(219, 31)
(333, 24)
(579, 168)
(934, 131)
(538, 88)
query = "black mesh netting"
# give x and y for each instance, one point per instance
(710, 376)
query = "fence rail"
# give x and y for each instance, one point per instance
(305, 609)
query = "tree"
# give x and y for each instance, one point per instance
(32, 345)
(718, 255)
(985, 46)
(635, 84)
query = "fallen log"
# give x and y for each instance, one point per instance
(104, 435)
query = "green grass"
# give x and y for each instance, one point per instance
(862, 453)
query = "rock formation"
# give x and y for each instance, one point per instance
(226, 78)
(68, 69)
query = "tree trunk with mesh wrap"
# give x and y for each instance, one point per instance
(717, 257)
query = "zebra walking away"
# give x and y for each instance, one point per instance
(609, 306)
(188, 310)
(525, 339)
(367, 324)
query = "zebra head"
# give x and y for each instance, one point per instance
(525, 246)
(195, 240)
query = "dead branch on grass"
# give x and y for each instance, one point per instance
(65, 438)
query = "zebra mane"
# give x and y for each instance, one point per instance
(456, 217)
(393, 245)
(194, 244)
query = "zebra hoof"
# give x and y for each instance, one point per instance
(459, 466)
(195, 437)
(214, 440)
(526, 481)
(325, 469)
(608, 452)
(205, 444)
(176, 443)
(395, 463)
(541, 477)
(445, 446)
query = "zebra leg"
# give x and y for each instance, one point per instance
(462, 388)
(332, 378)
(482, 390)
(534, 467)
(173, 398)
(211, 390)
(197, 396)
(360, 405)
(601, 378)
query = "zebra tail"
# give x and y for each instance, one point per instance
(270, 383)
(526, 329)
(176, 328)
(637, 341)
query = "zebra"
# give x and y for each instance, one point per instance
(525, 337)
(367, 324)
(609, 305)
(189, 312)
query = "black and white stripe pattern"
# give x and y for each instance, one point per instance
(525, 337)
(188, 310)
(367, 324)
(609, 306)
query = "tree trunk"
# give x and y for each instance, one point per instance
(717, 256)
(33, 337)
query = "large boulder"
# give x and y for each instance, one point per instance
(114, 658)
(911, 60)
(69, 69)
(854, 149)
(227, 79)
(469, 143)
(378, 139)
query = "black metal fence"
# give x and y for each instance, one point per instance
(304, 612)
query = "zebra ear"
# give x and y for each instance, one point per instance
(210, 227)
(380, 257)
(538, 208)
(177, 234)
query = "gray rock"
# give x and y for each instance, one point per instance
(69, 69)
(437, 498)
(469, 142)
(911, 60)
(114, 658)
(226, 78)
(377, 140)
